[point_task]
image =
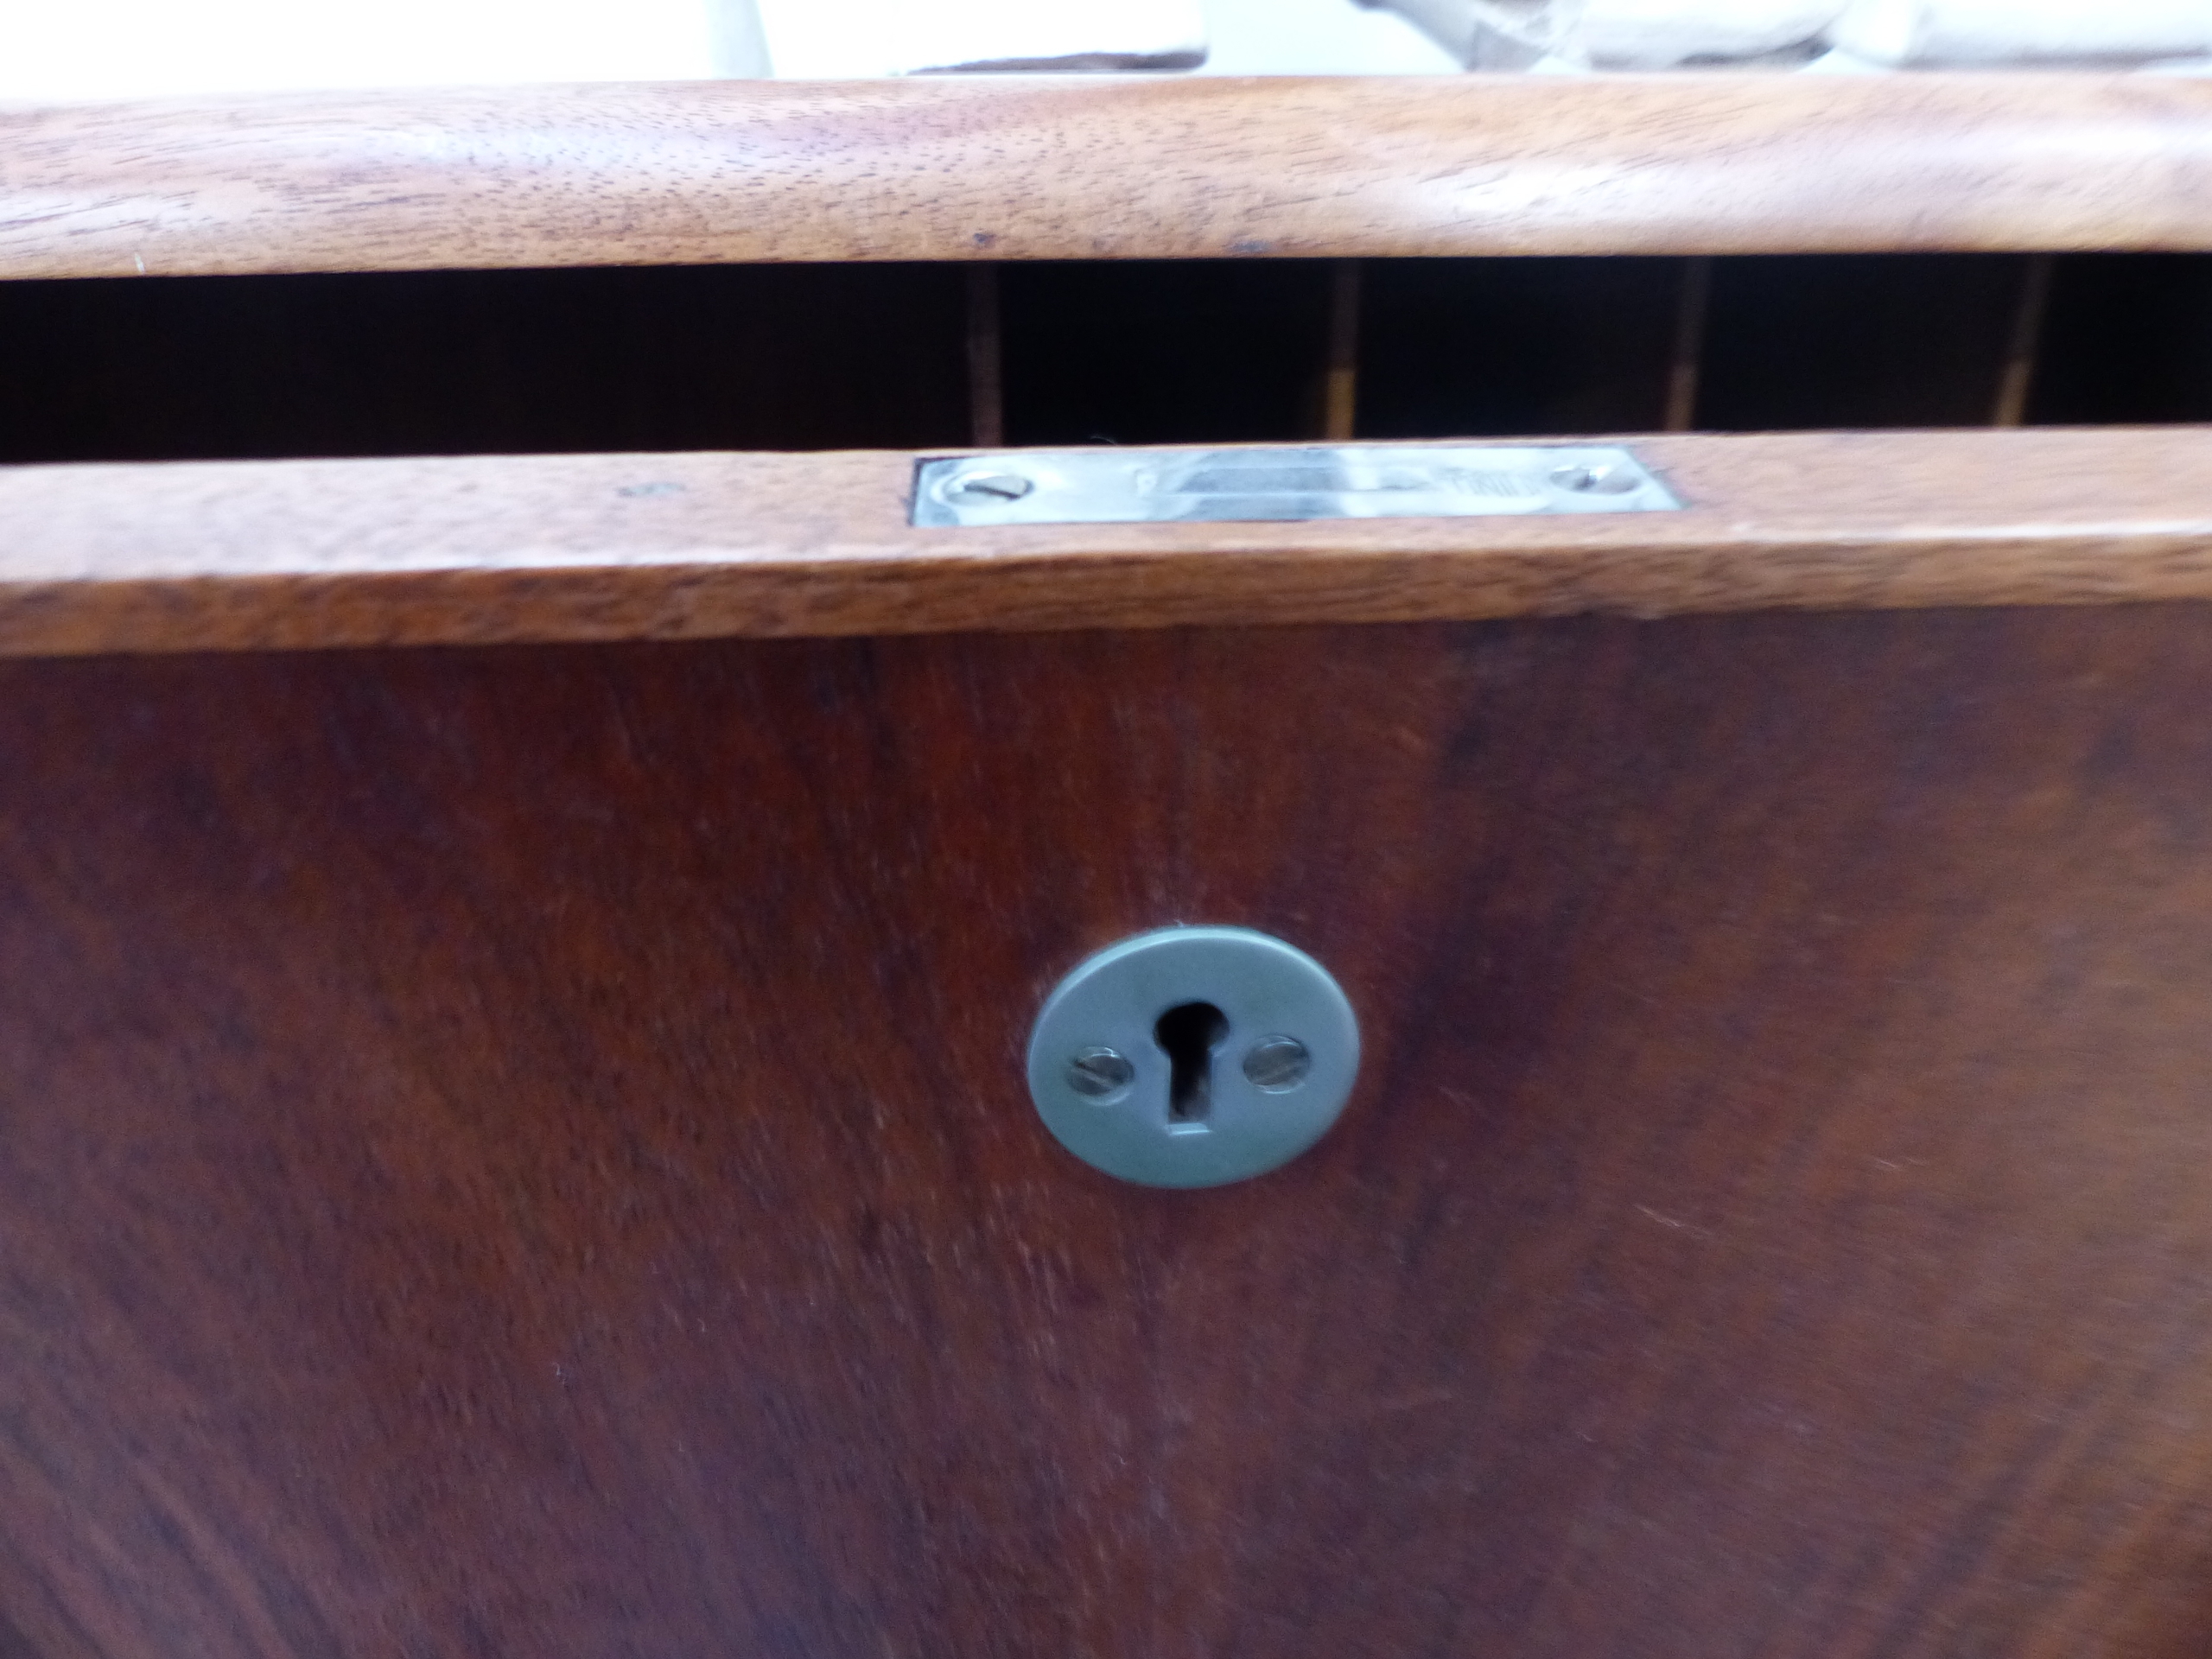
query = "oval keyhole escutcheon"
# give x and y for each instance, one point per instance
(1193, 1056)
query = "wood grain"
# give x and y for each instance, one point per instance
(522, 1151)
(1025, 170)
(487, 549)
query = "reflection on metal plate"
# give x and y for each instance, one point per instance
(1130, 487)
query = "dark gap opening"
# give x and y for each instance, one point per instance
(736, 357)
(1856, 341)
(1189, 1032)
(922, 356)
(2127, 339)
(1515, 347)
(1196, 351)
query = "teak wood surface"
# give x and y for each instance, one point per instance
(524, 1150)
(183, 556)
(1021, 168)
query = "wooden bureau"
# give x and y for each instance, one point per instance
(526, 879)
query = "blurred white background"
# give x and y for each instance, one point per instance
(63, 50)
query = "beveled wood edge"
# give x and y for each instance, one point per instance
(1081, 168)
(484, 550)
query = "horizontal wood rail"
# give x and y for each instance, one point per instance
(731, 171)
(247, 555)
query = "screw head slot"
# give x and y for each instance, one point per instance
(1223, 1052)
(986, 489)
(1277, 1065)
(1597, 481)
(1100, 1075)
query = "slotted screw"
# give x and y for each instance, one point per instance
(1277, 1065)
(1103, 1075)
(1596, 481)
(988, 489)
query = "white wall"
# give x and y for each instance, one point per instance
(60, 50)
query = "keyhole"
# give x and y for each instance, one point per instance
(1189, 1032)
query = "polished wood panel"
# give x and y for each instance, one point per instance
(485, 549)
(522, 1151)
(1171, 169)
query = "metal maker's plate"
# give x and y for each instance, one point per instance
(1131, 487)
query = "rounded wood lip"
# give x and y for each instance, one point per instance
(228, 556)
(1022, 168)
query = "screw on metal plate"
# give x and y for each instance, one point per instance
(1602, 479)
(986, 489)
(1100, 1075)
(1278, 1065)
(1193, 1056)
